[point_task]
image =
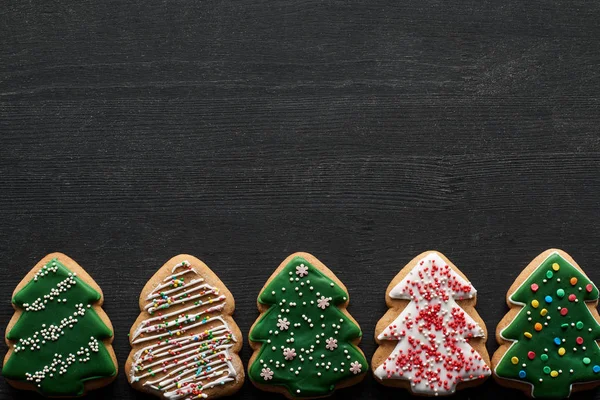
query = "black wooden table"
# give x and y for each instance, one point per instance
(242, 131)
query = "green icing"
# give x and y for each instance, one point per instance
(314, 370)
(541, 353)
(39, 321)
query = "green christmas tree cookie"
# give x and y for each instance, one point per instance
(548, 340)
(304, 342)
(59, 338)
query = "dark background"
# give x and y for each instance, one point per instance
(241, 131)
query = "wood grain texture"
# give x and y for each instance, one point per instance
(243, 131)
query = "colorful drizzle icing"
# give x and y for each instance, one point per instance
(186, 351)
(433, 332)
(58, 337)
(554, 334)
(306, 339)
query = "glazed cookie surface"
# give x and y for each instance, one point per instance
(431, 340)
(305, 341)
(59, 338)
(185, 343)
(548, 339)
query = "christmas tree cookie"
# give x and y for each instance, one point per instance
(548, 339)
(59, 339)
(304, 341)
(431, 340)
(185, 343)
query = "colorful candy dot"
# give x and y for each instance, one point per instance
(537, 326)
(560, 293)
(531, 355)
(579, 325)
(579, 340)
(534, 287)
(547, 369)
(596, 368)
(589, 287)
(564, 326)
(554, 374)
(514, 360)
(528, 335)
(555, 266)
(561, 351)
(523, 374)
(573, 281)
(572, 297)
(586, 360)
(543, 312)
(535, 303)
(549, 274)
(557, 341)
(544, 357)
(564, 311)
(548, 299)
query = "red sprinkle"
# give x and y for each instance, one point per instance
(589, 287)
(579, 340)
(534, 287)
(430, 322)
(572, 297)
(564, 311)
(531, 355)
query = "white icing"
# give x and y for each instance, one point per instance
(175, 354)
(401, 290)
(415, 331)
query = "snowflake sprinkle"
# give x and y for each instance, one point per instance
(289, 354)
(355, 367)
(283, 324)
(267, 374)
(323, 302)
(331, 344)
(301, 270)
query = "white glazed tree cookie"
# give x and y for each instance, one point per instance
(430, 330)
